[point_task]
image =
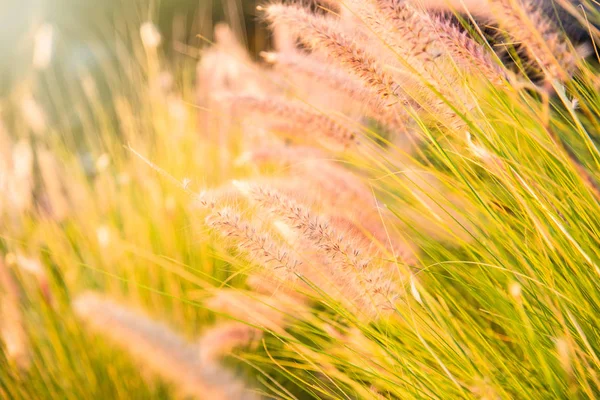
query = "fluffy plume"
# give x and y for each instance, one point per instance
(221, 339)
(421, 47)
(279, 155)
(150, 35)
(267, 312)
(296, 119)
(55, 200)
(346, 261)
(474, 7)
(528, 23)
(342, 263)
(159, 349)
(42, 47)
(340, 189)
(259, 246)
(227, 66)
(403, 30)
(32, 266)
(542, 39)
(394, 118)
(18, 179)
(315, 229)
(267, 284)
(34, 115)
(332, 189)
(5, 165)
(335, 189)
(469, 55)
(12, 330)
(323, 34)
(426, 52)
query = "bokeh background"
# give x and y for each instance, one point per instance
(87, 34)
(99, 42)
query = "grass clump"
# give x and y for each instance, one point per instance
(449, 250)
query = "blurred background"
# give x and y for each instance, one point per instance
(97, 44)
(87, 35)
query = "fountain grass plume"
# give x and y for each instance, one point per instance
(322, 33)
(13, 335)
(159, 349)
(297, 119)
(543, 39)
(384, 111)
(259, 246)
(345, 257)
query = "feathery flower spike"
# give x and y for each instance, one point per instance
(158, 348)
